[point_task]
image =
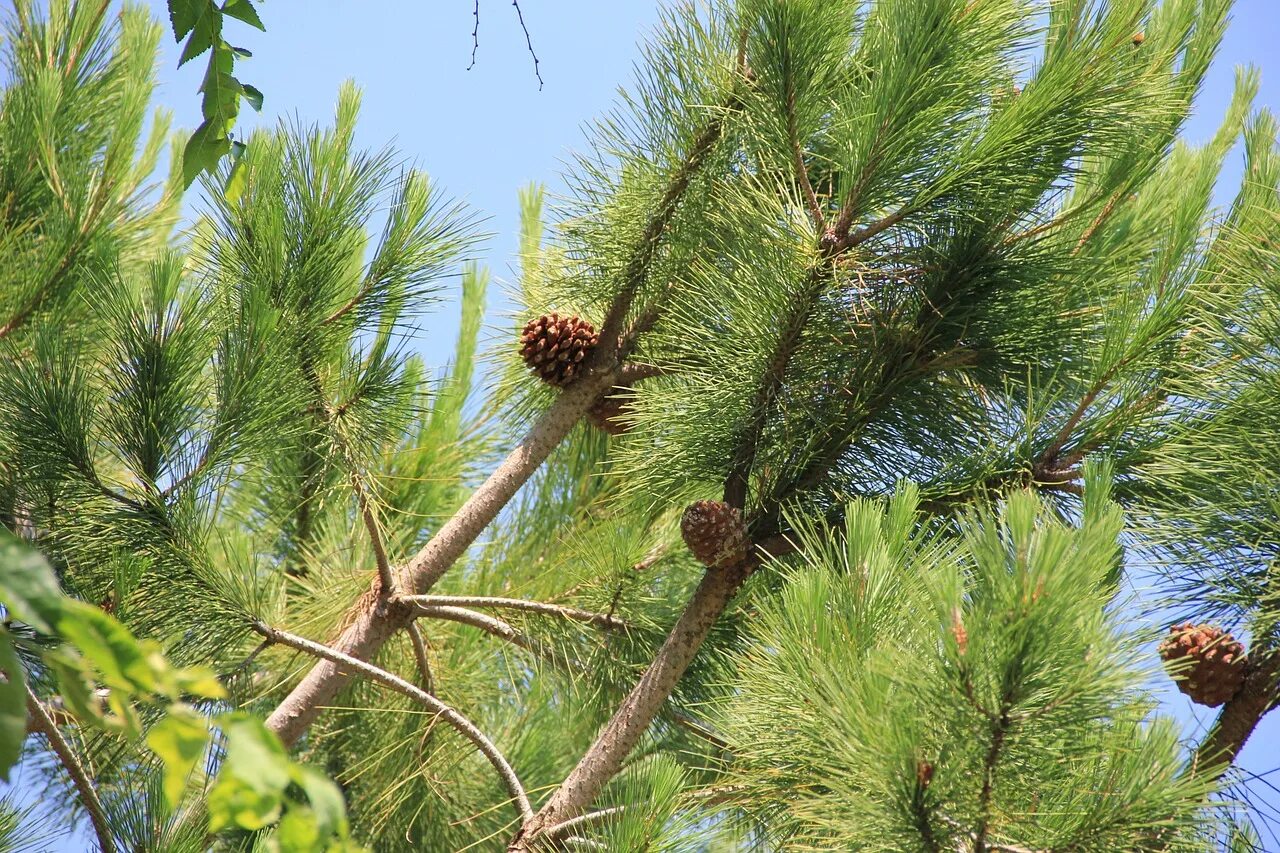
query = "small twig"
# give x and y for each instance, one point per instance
(497, 627)
(528, 41)
(603, 620)
(375, 536)
(460, 723)
(575, 823)
(44, 724)
(475, 35)
(420, 655)
(797, 161)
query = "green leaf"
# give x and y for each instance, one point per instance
(28, 589)
(199, 681)
(299, 832)
(254, 775)
(243, 10)
(203, 151)
(74, 684)
(253, 95)
(123, 662)
(204, 23)
(232, 803)
(179, 740)
(183, 15)
(13, 706)
(325, 798)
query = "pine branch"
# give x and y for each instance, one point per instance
(1259, 694)
(369, 627)
(490, 625)
(573, 824)
(603, 620)
(1000, 725)
(628, 724)
(45, 725)
(797, 161)
(637, 268)
(420, 656)
(460, 723)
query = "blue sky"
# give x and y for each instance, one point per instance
(484, 133)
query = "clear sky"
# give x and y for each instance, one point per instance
(484, 133)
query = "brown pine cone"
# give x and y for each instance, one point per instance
(554, 347)
(715, 533)
(610, 412)
(1207, 663)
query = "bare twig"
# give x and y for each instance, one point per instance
(497, 627)
(573, 824)
(460, 723)
(45, 725)
(475, 35)
(420, 655)
(371, 525)
(528, 41)
(603, 620)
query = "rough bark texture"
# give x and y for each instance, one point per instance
(374, 623)
(621, 734)
(1240, 716)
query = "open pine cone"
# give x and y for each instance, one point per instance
(554, 347)
(1216, 667)
(715, 533)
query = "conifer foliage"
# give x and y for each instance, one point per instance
(871, 343)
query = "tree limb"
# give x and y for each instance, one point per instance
(1241, 714)
(460, 723)
(602, 620)
(41, 722)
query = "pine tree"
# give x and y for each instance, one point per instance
(875, 348)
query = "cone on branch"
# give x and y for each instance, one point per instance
(554, 347)
(1207, 663)
(715, 533)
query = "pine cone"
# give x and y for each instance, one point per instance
(1217, 666)
(715, 533)
(1138, 38)
(554, 347)
(610, 412)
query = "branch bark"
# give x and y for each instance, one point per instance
(1259, 694)
(460, 723)
(628, 724)
(40, 721)
(603, 620)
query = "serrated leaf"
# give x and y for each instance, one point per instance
(205, 31)
(183, 15)
(13, 705)
(253, 95)
(243, 10)
(203, 151)
(179, 740)
(28, 589)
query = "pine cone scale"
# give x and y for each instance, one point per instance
(553, 347)
(1207, 663)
